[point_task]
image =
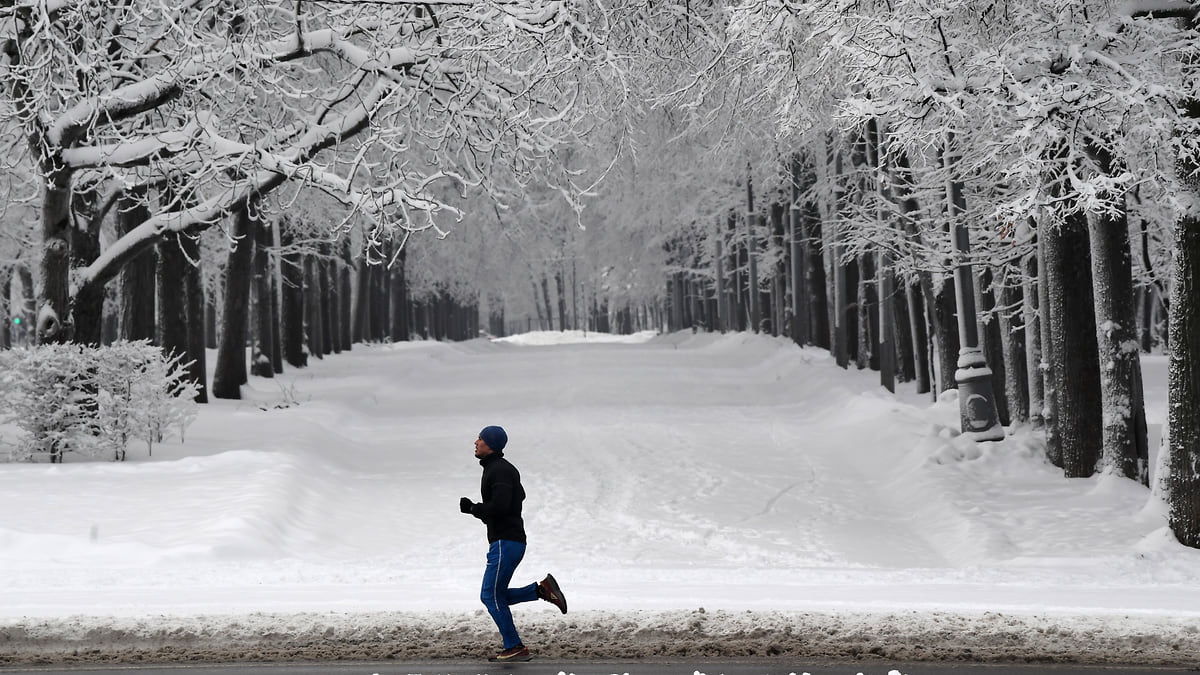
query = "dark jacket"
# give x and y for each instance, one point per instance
(502, 496)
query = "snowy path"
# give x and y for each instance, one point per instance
(732, 473)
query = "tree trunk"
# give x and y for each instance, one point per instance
(1146, 300)
(136, 283)
(172, 334)
(6, 313)
(1074, 355)
(345, 288)
(779, 274)
(437, 316)
(675, 292)
(992, 340)
(915, 299)
(27, 310)
(753, 298)
(802, 327)
(312, 306)
(883, 319)
(1123, 411)
(537, 305)
(275, 242)
(192, 284)
(210, 320)
(230, 373)
(264, 329)
(722, 301)
(695, 300)
(902, 334)
(1050, 379)
(562, 300)
(842, 309)
(817, 281)
(328, 317)
(333, 300)
(1030, 283)
(1183, 385)
(886, 344)
(377, 274)
(867, 313)
(362, 300)
(776, 293)
(736, 263)
(1012, 343)
(495, 305)
(87, 304)
(172, 305)
(1159, 291)
(292, 290)
(53, 323)
(940, 303)
(546, 299)
(918, 323)
(399, 298)
(838, 268)
(418, 320)
(836, 274)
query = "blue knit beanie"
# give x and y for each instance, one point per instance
(495, 438)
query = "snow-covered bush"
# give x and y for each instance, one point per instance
(142, 395)
(42, 392)
(91, 401)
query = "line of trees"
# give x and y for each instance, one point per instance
(1047, 307)
(959, 197)
(186, 118)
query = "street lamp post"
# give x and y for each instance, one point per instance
(976, 398)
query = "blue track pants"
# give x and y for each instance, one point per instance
(502, 560)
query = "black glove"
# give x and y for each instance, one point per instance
(465, 505)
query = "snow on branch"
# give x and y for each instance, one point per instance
(47, 7)
(133, 152)
(373, 201)
(208, 211)
(153, 92)
(1161, 9)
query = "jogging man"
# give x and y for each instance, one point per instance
(500, 510)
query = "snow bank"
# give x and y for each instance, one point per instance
(898, 637)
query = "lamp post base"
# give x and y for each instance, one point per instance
(976, 400)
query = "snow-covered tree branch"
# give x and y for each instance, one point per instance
(373, 103)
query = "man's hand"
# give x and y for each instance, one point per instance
(465, 505)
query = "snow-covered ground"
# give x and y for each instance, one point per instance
(704, 494)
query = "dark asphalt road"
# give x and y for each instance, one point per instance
(550, 667)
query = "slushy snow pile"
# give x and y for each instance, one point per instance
(711, 495)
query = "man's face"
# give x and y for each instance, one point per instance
(481, 449)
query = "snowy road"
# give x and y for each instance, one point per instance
(760, 667)
(731, 473)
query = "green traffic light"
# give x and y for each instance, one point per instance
(17, 320)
